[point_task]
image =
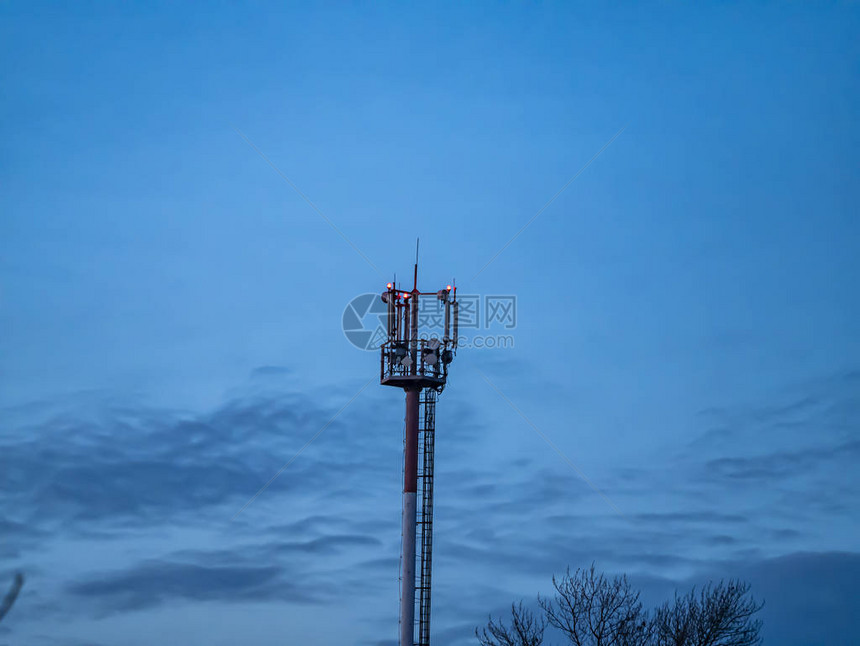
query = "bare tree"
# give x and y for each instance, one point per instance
(526, 629)
(589, 609)
(10, 597)
(720, 615)
(592, 610)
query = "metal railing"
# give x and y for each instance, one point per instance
(422, 359)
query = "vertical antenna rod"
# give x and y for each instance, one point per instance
(415, 286)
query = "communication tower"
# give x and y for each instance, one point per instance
(420, 367)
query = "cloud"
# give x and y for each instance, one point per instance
(785, 464)
(15, 534)
(157, 582)
(166, 484)
(707, 517)
(136, 466)
(818, 411)
(265, 571)
(157, 480)
(270, 371)
(809, 597)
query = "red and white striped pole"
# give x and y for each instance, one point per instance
(410, 492)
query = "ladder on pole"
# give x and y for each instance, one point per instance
(427, 432)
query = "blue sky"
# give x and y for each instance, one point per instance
(171, 309)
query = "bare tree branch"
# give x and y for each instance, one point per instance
(525, 629)
(720, 615)
(591, 610)
(10, 597)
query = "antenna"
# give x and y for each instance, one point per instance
(415, 287)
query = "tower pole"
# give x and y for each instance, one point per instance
(413, 364)
(410, 490)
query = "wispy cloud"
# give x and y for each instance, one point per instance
(166, 480)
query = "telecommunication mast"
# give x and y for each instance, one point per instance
(420, 367)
